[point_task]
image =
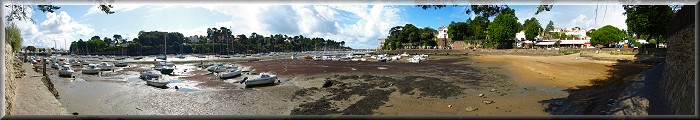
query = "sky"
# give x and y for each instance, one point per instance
(358, 25)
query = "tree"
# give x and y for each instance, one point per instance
(21, 12)
(31, 48)
(118, 38)
(478, 26)
(459, 30)
(503, 28)
(606, 35)
(532, 28)
(648, 19)
(13, 36)
(550, 26)
(107, 40)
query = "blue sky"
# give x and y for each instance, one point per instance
(358, 25)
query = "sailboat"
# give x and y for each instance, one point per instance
(181, 56)
(165, 67)
(121, 62)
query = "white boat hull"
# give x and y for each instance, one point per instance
(65, 73)
(231, 74)
(261, 81)
(91, 71)
(157, 83)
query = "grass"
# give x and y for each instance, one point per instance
(568, 52)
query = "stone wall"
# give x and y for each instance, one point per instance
(10, 83)
(679, 75)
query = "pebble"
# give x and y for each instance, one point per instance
(488, 101)
(494, 89)
(449, 106)
(481, 95)
(471, 108)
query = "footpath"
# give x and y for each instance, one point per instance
(33, 97)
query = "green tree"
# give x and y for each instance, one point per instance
(606, 35)
(648, 19)
(13, 36)
(532, 28)
(550, 26)
(478, 26)
(31, 48)
(503, 28)
(118, 38)
(459, 30)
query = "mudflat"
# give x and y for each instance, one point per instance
(442, 85)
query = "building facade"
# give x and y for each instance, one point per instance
(380, 44)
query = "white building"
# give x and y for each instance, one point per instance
(381, 44)
(520, 35)
(194, 39)
(442, 32)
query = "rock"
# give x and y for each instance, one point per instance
(493, 90)
(481, 95)
(471, 108)
(449, 106)
(488, 101)
(327, 83)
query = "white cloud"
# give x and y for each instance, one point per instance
(584, 16)
(358, 25)
(58, 30)
(581, 21)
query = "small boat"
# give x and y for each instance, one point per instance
(75, 63)
(65, 63)
(157, 82)
(404, 54)
(246, 69)
(220, 68)
(148, 74)
(91, 69)
(138, 58)
(181, 56)
(55, 65)
(65, 71)
(230, 74)
(201, 56)
(225, 56)
(83, 62)
(164, 69)
(105, 66)
(263, 78)
(121, 64)
(414, 60)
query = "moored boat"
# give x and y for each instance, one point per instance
(65, 71)
(263, 78)
(105, 66)
(148, 74)
(91, 69)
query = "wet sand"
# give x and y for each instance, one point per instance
(443, 85)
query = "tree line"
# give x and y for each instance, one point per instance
(217, 41)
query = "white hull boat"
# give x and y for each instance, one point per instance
(148, 74)
(261, 80)
(121, 64)
(105, 66)
(65, 71)
(230, 74)
(165, 69)
(91, 69)
(157, 82)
